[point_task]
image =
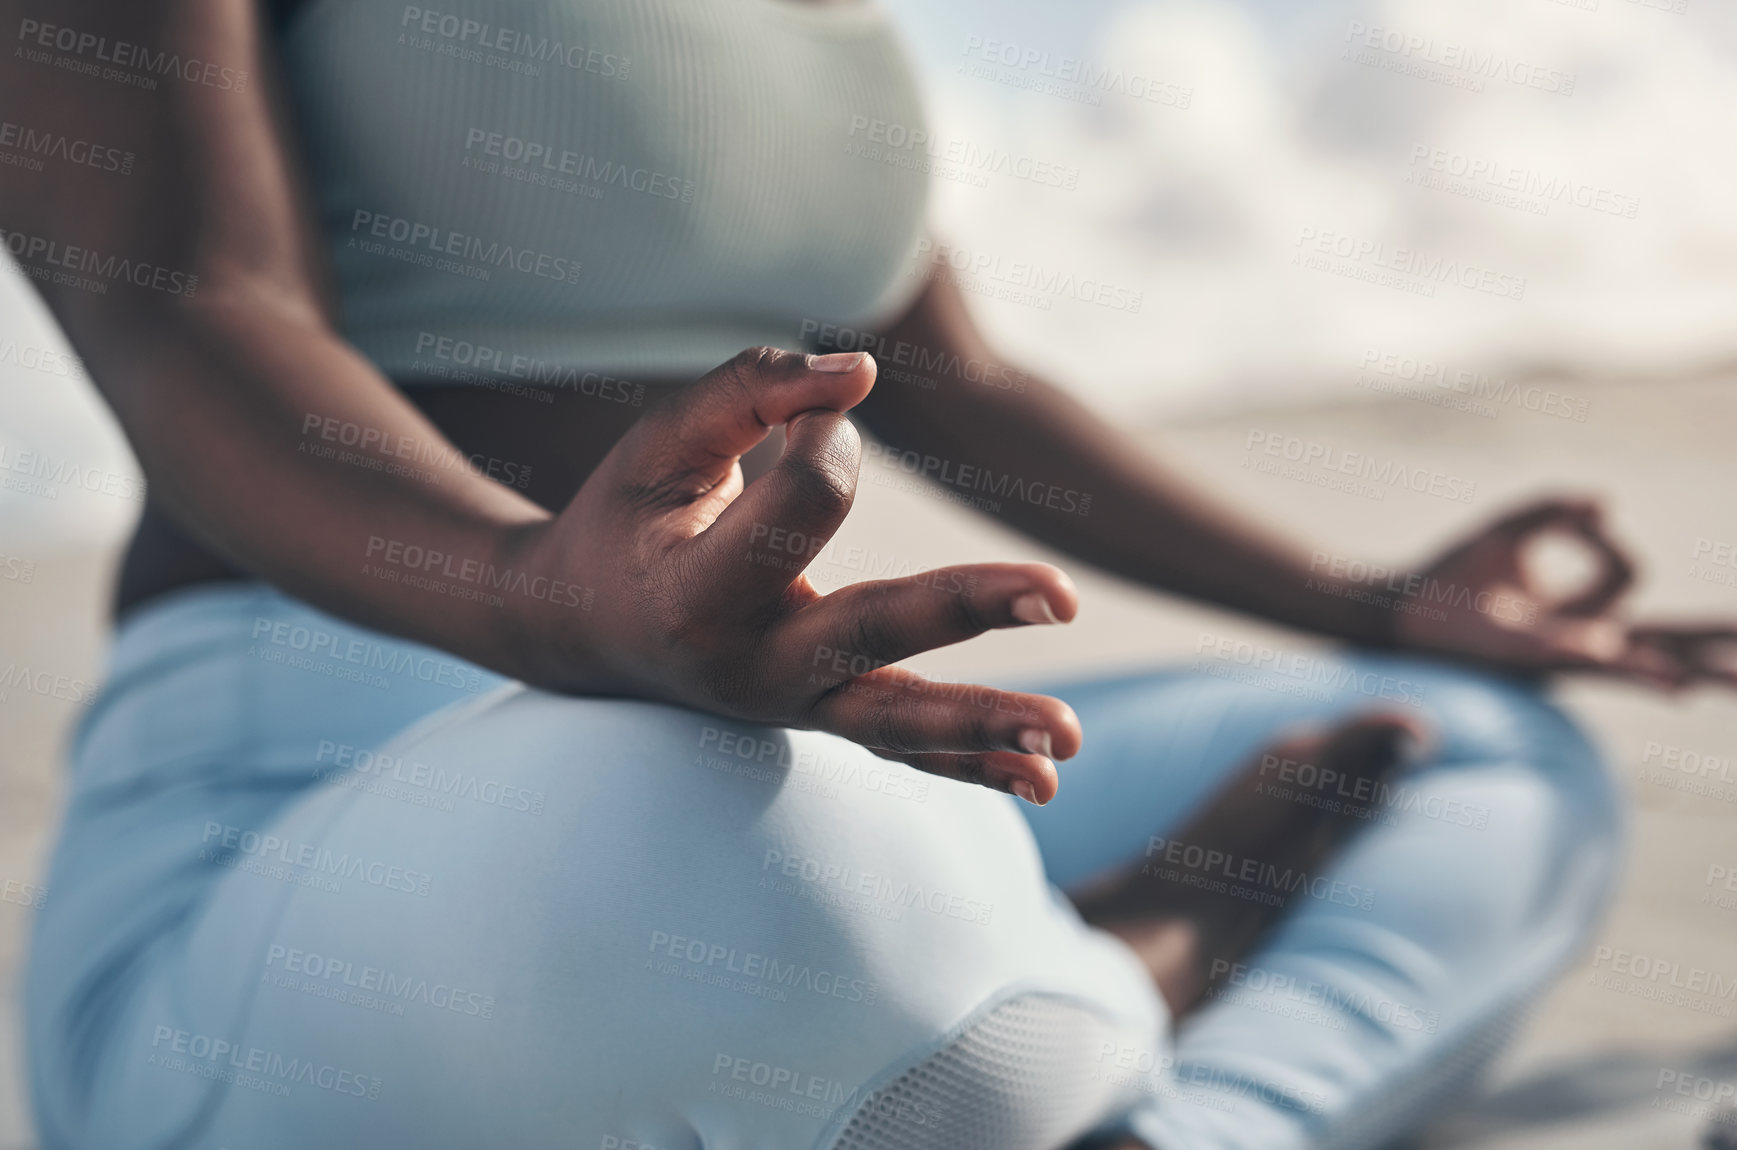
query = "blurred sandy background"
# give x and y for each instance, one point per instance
(1287, 132)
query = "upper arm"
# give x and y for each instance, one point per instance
(164, 180)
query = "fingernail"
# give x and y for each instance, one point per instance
(838, 361)
(1025, 791)
(1035, 741)
(1032, 607)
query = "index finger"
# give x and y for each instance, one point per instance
(1616, 576)
(689, 444)
(1582, 519)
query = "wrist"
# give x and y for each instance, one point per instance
(539, 614)
(1370, 612)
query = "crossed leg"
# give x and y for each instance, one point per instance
(711, 934)
(1477, 869)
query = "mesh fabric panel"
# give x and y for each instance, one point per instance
(1022, 1077)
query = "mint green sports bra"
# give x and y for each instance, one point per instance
(513, 188)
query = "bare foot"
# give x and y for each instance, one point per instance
(1203, 898)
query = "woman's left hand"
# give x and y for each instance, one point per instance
(1479, 601)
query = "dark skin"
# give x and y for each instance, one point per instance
(648, 509)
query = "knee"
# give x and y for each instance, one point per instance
(1480, 719)
(1547, 814)
(718, 902)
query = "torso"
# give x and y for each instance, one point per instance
(772, 223)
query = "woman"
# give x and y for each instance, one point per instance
(476, 765)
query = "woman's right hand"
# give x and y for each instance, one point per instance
(697, 594)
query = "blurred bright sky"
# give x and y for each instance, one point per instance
(1201, 208)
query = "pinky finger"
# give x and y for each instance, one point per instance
(1030, 777)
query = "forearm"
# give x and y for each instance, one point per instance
(283, 451)
(1026, 437)
(227, 375)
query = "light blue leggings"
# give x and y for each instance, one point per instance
(318, 888)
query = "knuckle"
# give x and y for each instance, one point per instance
(820, 484)
(875, 631)
(762, 362)
(972, 769)
(748, 359)
(729, 683)
(965, 614)
(737, 378)
(974, 731)
(882, 723)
